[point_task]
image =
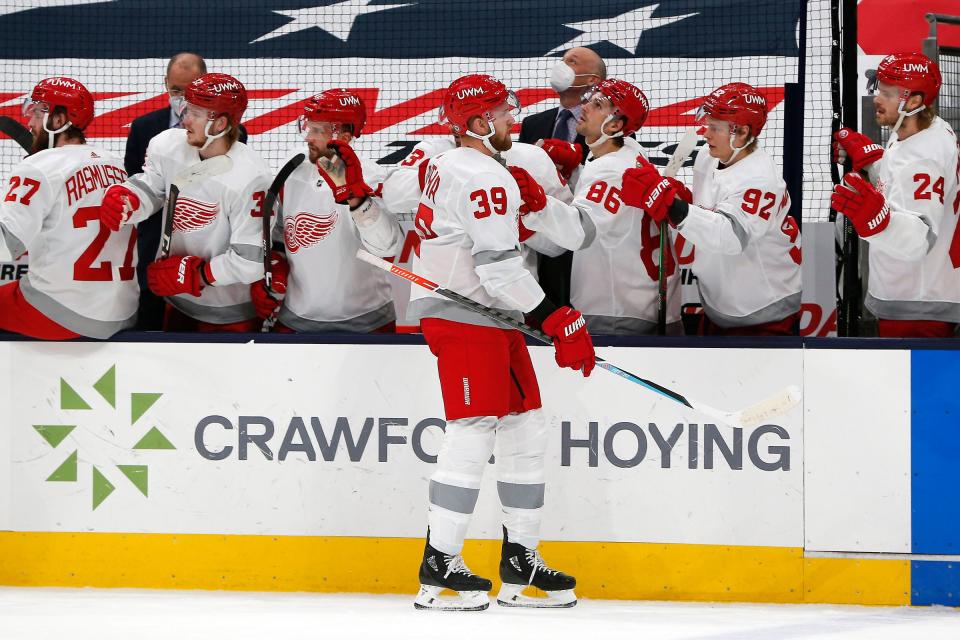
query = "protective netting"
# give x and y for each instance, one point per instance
(400, 55)
(949, 101)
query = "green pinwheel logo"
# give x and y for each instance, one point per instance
(73, 405)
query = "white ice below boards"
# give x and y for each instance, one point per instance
(108, 614)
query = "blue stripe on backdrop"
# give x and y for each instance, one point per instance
(935, 451)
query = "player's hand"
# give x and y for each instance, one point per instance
(865, 206)
(268, 302)
(117, 205)
(643, 187)
(570, 339)
(567, 156)
(534, 199)
(354, 188)
(178, 274)
(682, 191)
(861, 150)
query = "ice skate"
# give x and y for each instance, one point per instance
(520, 568)
(440, 571)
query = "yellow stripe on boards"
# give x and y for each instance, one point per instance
(641, 571)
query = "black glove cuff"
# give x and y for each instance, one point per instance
(366, 199)
(678, 211)
(203, 273)
(543, 310)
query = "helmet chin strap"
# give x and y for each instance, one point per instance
(903, 114)
(736, 149)
(604, 136)
(52, 133)
(212, 137)
(486, 139)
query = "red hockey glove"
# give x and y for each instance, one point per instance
(534, 199)
(178, 274)
(353, 186)
(570, 338)
(645, 188)
(682, 191)
(861, 149)
(268, 302)
(566, 155)
(117, 205)
(865, 206)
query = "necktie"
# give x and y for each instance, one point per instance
(562, 129)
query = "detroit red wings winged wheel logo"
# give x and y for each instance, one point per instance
(190, 214)
(306, 229)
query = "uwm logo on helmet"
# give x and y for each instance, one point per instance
(62, 82)
(916, 67)
(750, 98)
(220, 87)
(469, 92)
(347, 101)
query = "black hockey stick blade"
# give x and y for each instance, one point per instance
(204, 169)
(16, 132)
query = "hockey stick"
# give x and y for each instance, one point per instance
(752, 416)
(204, 169)
(268, 203)
(686, 144)
(16, 132)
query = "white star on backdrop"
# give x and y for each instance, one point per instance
(623, 30)
(336, 19)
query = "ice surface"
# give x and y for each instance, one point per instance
(107, 614)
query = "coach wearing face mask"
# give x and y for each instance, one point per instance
(572, 76)
(182, 69)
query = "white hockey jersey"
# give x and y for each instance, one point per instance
(914, 262)
(614, 281)
(558, 228)
(328, 288)
(467, 223)
(81, 275)
(746, 246)
(218, 219)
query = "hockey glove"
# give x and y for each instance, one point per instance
(567, 156)
(534, 199)
(268, 302)
(353, 186)
(865, 206)
(574, 348)
(117, 205)
(861, 150)
(178, 274)
(645, 188)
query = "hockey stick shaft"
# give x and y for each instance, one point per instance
(273, 194)
(204, 169)
(16, 132)
(504, 319)
(685, 145)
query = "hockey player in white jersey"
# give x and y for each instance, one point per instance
(215, 249)
(81, 280)
(614, 281)
(323, 224)
(550, 231)
(467, 220)
(746, 245)
(910, 217)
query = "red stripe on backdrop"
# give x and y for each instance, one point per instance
(898, 26)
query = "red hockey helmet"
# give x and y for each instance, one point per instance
(629, 101)
(66, 93)
(337, 105)
(912, 71)
(474, 95)
(737, 103)
(219, 94)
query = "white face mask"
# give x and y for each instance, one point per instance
(562, 77)
(176, 104)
